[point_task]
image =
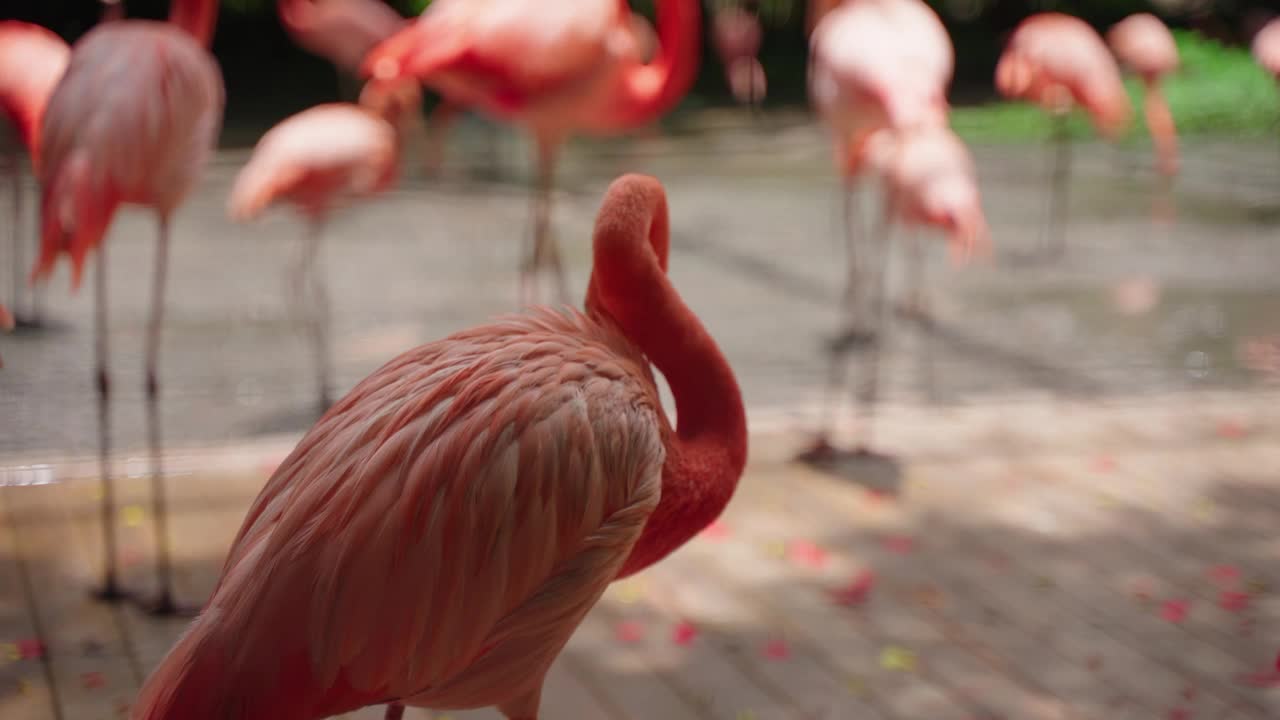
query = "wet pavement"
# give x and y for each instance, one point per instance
(1136, 307)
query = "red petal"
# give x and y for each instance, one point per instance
(857, 591)
(1233, 600)
(806, 553)
(629, 631)
(1227, 575)
(1175, 611)
(777, 649)
(684, 633)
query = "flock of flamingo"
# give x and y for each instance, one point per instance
(437, 535)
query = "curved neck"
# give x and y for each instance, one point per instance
(197, 17)
(649, 90)
(629, 286)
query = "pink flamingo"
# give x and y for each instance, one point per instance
(875, 65)
(1266, 47)
(132, 121)
(32, 60)
(435, 539)
(315, 160)
(1145, 44)
(555, 68)
(737, 35)
(1059, 61)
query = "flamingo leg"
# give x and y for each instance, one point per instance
(544, 251)
(164, 603)
(395, 711)
(15, 230)
(318, 325)
(918, 307)
(443, 117)
(1055, 237)
(110, 589)
(867, 393)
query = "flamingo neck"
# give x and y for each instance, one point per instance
(708, 449)
(197, 17)
(650, 90)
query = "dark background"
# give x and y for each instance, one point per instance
(267, 76)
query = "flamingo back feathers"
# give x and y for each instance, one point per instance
(32, 61)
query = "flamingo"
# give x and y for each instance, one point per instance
(875, 65)
(737, 34)
(32, 60)
(1266, 47)
(435, 539)
(1145, 44)
(132, 121)
(314, 160)
(555, 68)
(1059, 61)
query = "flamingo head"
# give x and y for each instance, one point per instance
(393, 100)
(952, 202)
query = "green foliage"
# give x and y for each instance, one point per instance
(1219, 91)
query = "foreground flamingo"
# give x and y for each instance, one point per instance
(1059, 61)
(132, 121)
(32, 60)
(1145, 44)
(737, 35)
(1266, 47)
(6, 324)
(875, 65)
(315, 160)
(555, 68)
(435, 539)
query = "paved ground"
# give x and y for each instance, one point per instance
(755, 251)
(1028, 561)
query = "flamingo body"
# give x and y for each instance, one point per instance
(343, 31)
(1056, 60)
(737, 35)
(438, 535)
(32, 61)
(1266, 47)
(879, 64)
(1145, 45)
(314, 159)
(133, 121)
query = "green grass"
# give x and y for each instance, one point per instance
(1218, 91)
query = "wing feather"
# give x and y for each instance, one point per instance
(442, 530)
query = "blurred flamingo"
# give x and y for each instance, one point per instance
(132, 121)
(736, 33)
(436, 538)
(32, 60)
(875, 65)
(315, 160)
(555, 68)
(1059, 61)
(1266, 47)
(1145, 45)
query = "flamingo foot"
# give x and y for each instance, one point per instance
(851, 339)
(163, 605)
(109, 592)
(818, 452)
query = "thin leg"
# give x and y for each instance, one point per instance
(443, 117)
(15, 237)
(918, 308)
(313, 269)
(1055, 240)
(867, 395)
(110, 589)
(164, 603)
(543, 251)
(395, 711)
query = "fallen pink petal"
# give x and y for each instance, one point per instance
(629, 631)
(30, 649)
(856, 591)
(684, 633)
(777, 649)
(806, 553)
(1234, 600)
(1225, 575)
(1175, 611)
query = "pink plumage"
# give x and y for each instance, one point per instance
(737, 35)
(342, 31)
(1145, 45)
(315, 159)
(441, 531)
(32, 61)
(879, 64)
(1266, 47)
(931, 180)
(133, 121)
(1058, 60)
